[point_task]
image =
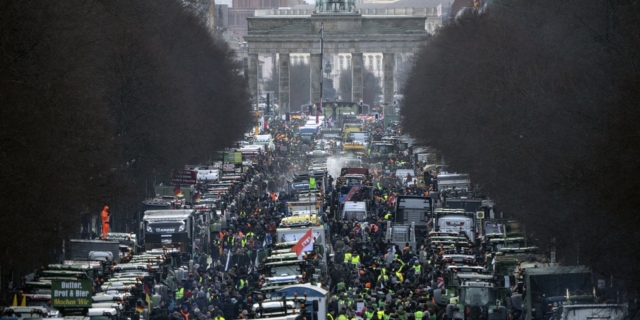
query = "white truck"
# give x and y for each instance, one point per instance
(321, 238)
(450, 180)
(455, 220)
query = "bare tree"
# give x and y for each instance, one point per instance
(97, 98)
(534, 99)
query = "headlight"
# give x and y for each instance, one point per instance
(268, 295)
(181, 228)
(149, 229)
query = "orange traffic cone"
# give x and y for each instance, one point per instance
(24, 301)
(15, 300)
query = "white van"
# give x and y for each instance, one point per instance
(354, 210)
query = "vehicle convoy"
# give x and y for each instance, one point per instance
(288, 243)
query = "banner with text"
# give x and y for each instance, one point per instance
(71, 293)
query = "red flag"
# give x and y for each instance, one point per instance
(304, 244)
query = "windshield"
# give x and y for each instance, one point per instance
(350, 181)
(477, 296)
(289, 270)
(352, 163)
(384, 149)
(492, 227)
(354, 214)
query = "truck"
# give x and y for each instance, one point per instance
(468, 205)
(93, 250)
(416, 210)
(453, 180)
(455, 220)
(541, 282)
(350, 127)
(168, 228)
(401, 234)
(322, 242)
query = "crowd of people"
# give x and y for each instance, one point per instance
(366, 276)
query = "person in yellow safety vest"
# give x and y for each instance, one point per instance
(380, 313)
(400, 276)
(347, 257)
(368, 315)
(355, 259)
(243, 243)
(387, 315)
(418, 315)
(387, 216)
(219, 316)
(417, 268)
(179, 292)
(241, 284)
(330, 315)
(342, 315)
(382, 277)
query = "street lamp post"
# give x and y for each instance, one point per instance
(321, 77)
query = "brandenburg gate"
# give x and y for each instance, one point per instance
(345, 31)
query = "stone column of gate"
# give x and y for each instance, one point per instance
(315, 63)
(283, 65)
(388, 63)
(253, 77)
(356, 77)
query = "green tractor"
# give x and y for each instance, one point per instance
(477, 298)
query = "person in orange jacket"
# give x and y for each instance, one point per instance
(105, 221)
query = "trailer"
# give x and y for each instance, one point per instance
(80, 249)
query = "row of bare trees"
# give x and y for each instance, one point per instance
(539, 101)
(99, 100)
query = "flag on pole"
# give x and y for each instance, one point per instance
(304, 244)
